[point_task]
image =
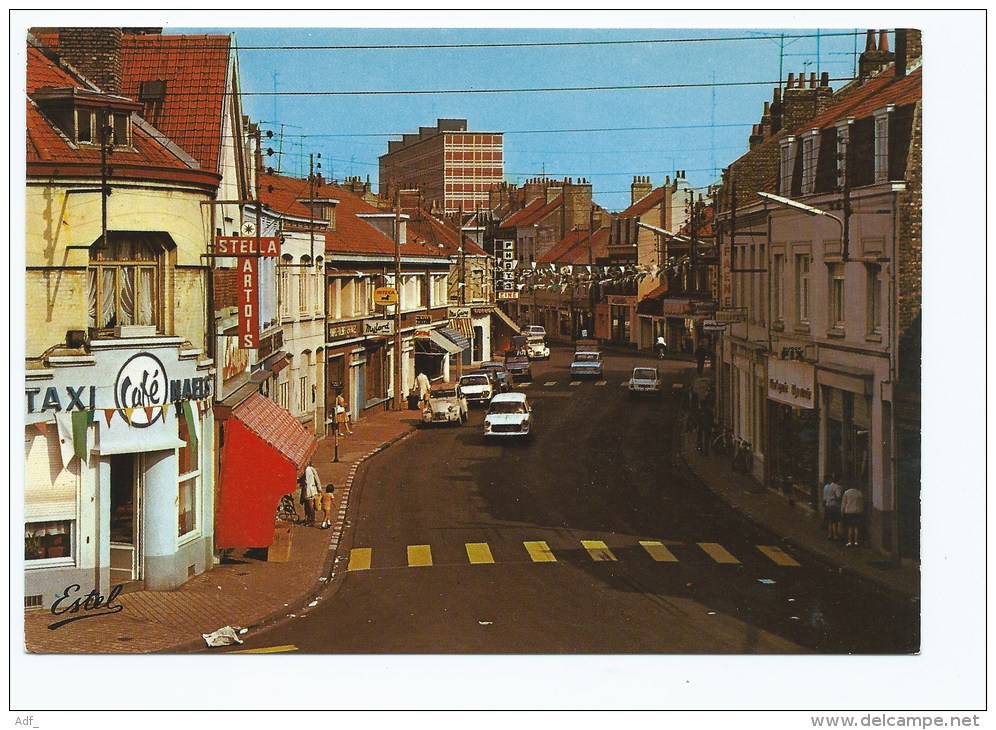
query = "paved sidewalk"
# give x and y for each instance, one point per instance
(244, 591)
(798, 524)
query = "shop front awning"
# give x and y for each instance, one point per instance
(434, 342)
(457, 338)
(265, 449)
(507, 321)
(463, 325)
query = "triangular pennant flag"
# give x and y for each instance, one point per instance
(108, 415)
(42, 427)
(79, 434)
(188, 414)
(165, 410)
(128, 412)
(66, 424)
(90, 417)
(148, 412)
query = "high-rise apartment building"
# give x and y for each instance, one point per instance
(451, 166)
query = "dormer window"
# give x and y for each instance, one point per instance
(810, 148)
(84, 116)
(882, 118)
(786, 161)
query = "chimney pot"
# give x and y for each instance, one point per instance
(791, 81)
(825, 78)
(883, 40)
(812, 80)
(870, 41)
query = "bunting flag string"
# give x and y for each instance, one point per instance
(128, 412)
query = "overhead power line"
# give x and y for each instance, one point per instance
(532, 44)
(543, 89)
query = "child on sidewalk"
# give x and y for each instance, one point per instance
(328, 505)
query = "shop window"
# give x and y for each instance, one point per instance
(188, 467)
(123, 283)
(44, 540)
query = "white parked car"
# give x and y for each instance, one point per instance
(538, 349)
(509, 415)
(645, 380)
(477, 387)
(535, 330)
(447, 404)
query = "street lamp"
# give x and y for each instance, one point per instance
(810, 210)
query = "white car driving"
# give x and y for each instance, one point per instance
(477, 387)
(446, 404)
(509, 415)
(538, 349)
(645, 381)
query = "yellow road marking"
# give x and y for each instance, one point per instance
(575, 382)
(601, 382)
(658, 552)
(419, 556)
(778, 555)
(717, 552)
(479, 552)
(548, 384)
(539, 551)
(522, 385)
(598, 550)
(266, 650)
(359, 559)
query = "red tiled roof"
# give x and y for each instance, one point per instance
(195, 68)
(578, 248)
(872, 95)
(45, 144)
(654, 197)
(535, 211)
(277, 427)
(704, 228)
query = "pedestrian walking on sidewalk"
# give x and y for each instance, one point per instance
(832, 495)
(342, 416)
(422, 383)
(311, 486)
(852, 506)
(700, 358)
(328, 506)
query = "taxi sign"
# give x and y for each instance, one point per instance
(385, 296)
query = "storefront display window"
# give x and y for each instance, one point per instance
(44, 540)
(187, 482)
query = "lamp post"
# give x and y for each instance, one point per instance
(810, 210)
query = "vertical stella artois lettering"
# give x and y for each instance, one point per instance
(248, 250)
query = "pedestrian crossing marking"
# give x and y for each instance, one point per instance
(266, 650)
(598, 550)
(540, 552)
(522, 385)
(549, 383)
(479, 552)
(419, 556)
(658, 552)
(575, 382)
(717, 552)
(601, 382)
(359, 559)
(624, 384)
(778, 555)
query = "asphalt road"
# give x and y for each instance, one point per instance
(586, 539)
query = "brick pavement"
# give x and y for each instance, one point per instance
(245, 590)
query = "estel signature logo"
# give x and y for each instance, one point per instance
(92, 605)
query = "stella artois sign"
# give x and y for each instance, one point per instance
(248, 250)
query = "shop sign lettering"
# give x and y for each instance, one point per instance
(246, 246)
(791, 382)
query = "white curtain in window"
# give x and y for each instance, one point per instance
(106, 314)
(126, 281)
(146, 295)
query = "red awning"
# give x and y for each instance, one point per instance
(265, 449)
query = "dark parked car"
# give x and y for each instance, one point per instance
(505, 380)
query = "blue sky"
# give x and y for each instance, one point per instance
(698, 130)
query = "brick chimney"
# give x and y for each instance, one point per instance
(876, 54)
(532, 190)
(909, 49)
(800, 104)
(95, 53)
(577, 205)
(640, 189)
